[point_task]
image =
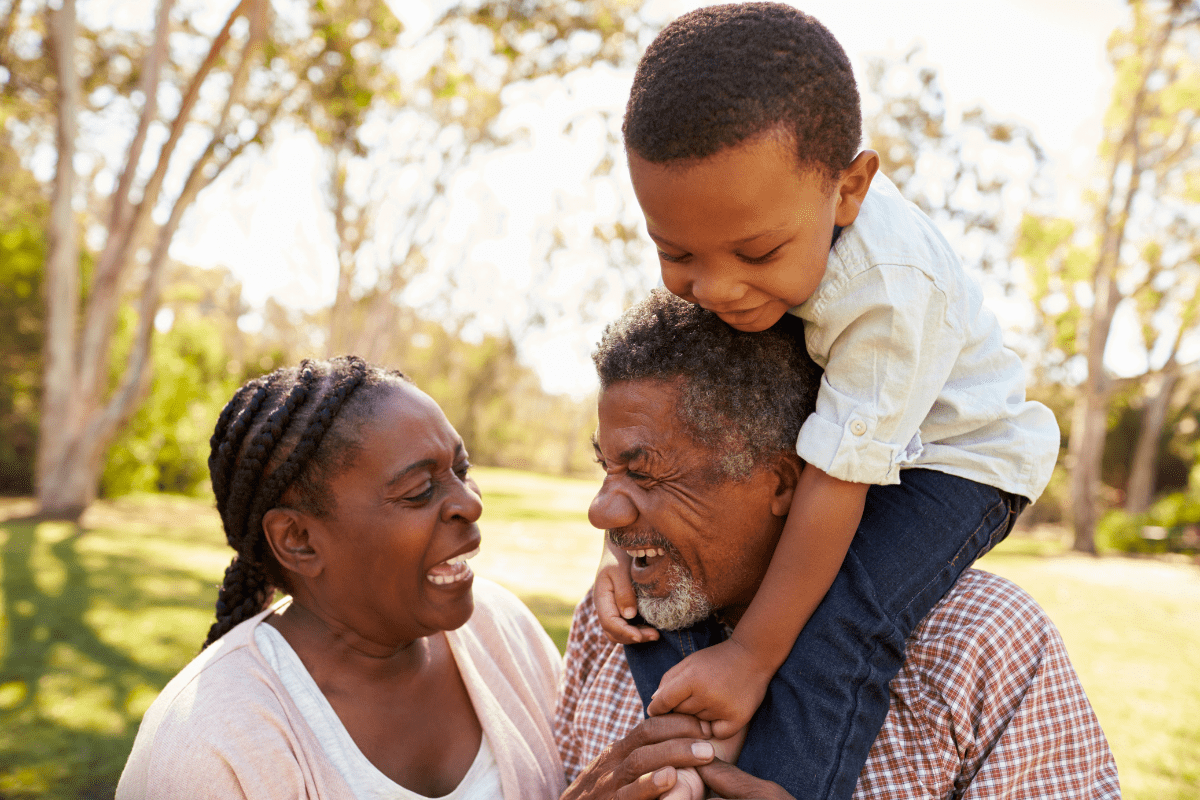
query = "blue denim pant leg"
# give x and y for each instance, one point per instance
(826, 704)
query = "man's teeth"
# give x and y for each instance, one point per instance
(646, 552)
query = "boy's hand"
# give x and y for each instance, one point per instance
(615, 601)
(700, 685)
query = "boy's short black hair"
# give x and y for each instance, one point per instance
(720, 75)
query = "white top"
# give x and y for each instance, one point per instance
(226, 726)
(482, 781)
(916, 373)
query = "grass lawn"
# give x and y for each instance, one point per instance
(95, 619)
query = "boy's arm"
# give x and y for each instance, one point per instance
(824, 516)
(822, 521)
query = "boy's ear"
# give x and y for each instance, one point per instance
(287, 531)
(787, 477)
(853, 185)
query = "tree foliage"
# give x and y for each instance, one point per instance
(1138, 253)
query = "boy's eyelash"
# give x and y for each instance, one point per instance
(672, 259)
(761, 259)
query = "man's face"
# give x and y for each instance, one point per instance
(699, 540)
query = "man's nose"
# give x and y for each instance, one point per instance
(611, 507)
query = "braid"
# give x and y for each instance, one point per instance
(226, 441)
(310, 440)
(244, 592)
(254, 461)
(247, 479)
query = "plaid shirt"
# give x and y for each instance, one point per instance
(987, 705)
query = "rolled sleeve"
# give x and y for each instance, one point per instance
(889, 340)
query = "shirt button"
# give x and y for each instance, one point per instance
(858, 427)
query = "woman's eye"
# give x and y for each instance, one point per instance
(421, 496)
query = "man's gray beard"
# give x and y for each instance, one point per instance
(685, 604)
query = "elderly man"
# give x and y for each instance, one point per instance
(696, 432)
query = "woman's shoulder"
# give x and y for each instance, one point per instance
(220, 708)
(499, 612)
(503, 629)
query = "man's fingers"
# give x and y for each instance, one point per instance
(729, 782)
(648, 786)
(672, 753)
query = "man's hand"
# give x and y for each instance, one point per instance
(702, 685)
(728, 782)
(642, 765)
(615, 601)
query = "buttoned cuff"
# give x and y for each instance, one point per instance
(849, 453)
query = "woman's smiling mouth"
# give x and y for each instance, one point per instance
(452, 570)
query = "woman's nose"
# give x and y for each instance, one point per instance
(465, 502)
(611, 507)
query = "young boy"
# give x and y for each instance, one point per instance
(742, 133)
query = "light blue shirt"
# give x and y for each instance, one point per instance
(916, 373)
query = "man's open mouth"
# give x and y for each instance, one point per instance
(646, 560)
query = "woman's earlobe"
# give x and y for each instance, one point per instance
(287, 533)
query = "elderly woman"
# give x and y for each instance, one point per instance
(345, 487)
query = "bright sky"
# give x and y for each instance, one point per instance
(1040, 62)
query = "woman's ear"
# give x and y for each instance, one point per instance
(787, 477)
(287, 531)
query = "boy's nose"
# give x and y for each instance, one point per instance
(611, 508)
(717, 292)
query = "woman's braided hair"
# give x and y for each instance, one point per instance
(278, 432)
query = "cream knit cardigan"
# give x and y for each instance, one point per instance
(225, 727)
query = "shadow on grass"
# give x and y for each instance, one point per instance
(71, 700)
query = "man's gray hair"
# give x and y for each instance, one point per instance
(744, 395)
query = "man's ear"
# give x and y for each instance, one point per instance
(853, 185)
(787, 476)
(287, 531)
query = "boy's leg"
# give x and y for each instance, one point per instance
(827, 703)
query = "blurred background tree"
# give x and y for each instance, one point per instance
(115, 342)
(1138, 254)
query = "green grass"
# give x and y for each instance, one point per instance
(1132, 628)
(95, 619)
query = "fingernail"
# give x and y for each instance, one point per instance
(662, 778)
(703, 750)
(629, 613)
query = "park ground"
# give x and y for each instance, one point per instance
(95, 618)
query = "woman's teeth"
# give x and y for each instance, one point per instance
(452, 570)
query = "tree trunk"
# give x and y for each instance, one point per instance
(78, 420)
(1143, 470)
(59, 493)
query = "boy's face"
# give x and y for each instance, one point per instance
(745, 232)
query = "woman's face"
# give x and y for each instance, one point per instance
(394, 546)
